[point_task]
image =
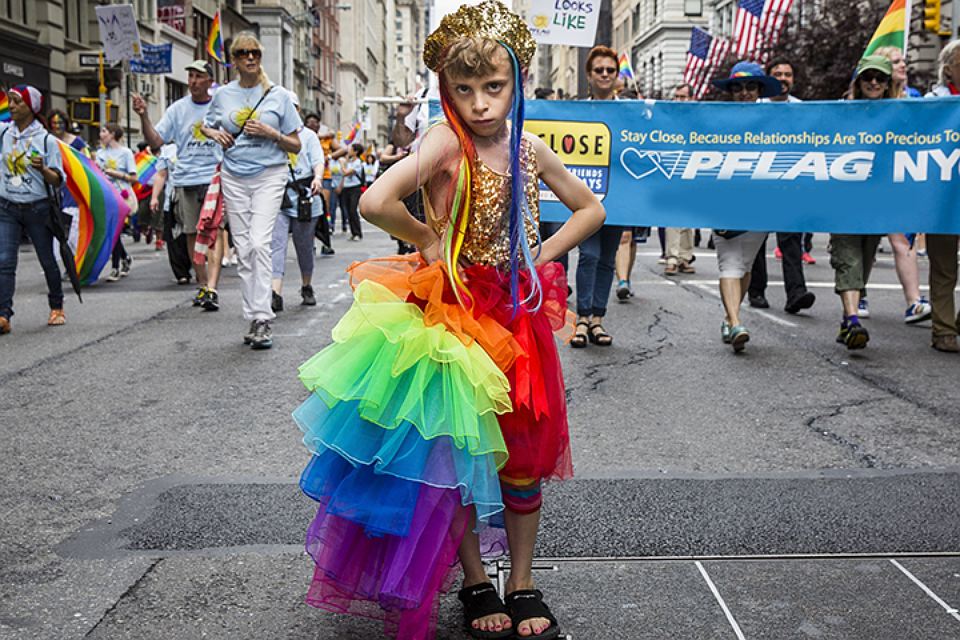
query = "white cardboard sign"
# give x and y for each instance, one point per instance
(569, 22)
(118, 32)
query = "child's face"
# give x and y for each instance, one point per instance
(484, 102)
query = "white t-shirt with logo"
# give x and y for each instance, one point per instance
(230, 109)
(197, 155)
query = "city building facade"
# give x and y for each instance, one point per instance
(656, 33)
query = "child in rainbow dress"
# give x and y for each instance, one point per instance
(439, 409)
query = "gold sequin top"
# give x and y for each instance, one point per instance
(487, 238)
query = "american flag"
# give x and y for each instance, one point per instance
(706, 54)
(697, 56)
(775, 14)
(746, 30)
(719, 50)
(758, 26)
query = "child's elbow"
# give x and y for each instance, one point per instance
(370, 205)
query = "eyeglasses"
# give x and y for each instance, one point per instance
(875, 76)
(600, 71)
(740, 87)
(243, 53)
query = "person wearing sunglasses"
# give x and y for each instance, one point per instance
(737, 250)
(257, 125)
(596, 263)
(852, 255)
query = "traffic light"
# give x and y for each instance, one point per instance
(931, 15)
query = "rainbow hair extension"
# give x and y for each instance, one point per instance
(519, 210)
(460, 208)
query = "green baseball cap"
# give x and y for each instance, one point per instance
(877, 63)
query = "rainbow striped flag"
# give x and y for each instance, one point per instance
(215, 40)
(354, 133)
(626, 69)
(892, 31)
(4, 107)
(102, 212)
(146, 170)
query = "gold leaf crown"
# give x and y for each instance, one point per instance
(489, 19)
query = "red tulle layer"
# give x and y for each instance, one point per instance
(520, 341)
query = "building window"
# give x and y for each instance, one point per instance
(73, 19)
(693, 7)
(174, 90)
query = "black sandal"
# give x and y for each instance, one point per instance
(600, 338)
(527, 604)
(480, 601)
(579, 340)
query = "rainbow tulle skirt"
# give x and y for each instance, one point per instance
(417, 412)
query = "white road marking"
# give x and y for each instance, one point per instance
(951, 610)
(723, 605)
(760, 312)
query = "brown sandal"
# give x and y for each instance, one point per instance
(56, 319)
(579, 340)
(599, 336)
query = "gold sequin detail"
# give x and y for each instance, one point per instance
(487, 239)
(490, 19)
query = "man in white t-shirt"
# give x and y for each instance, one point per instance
(197, 158)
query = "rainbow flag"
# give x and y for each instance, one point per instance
(102, 212)
(215, 40)
(4, 107)
(146, 170)
(892, 31)
(626, 69)
(354, 133)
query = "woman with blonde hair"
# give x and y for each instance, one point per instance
(256, 123)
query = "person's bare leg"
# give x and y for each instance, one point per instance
(623, 262)
(199, 267)
(214, 258)
(277, 285)
(851, 302)
(474, 574)
(522, 537)
(908, 271)
(731, 294)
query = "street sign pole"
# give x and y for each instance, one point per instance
(103, 92)
(127, 79)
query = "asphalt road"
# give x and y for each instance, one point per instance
(795, 491)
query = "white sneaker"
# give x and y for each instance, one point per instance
(114, 275)
(918, 312)
(863, 309)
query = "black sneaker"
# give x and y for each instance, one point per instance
(199, 298)
(262, 335)
(125, 264)
(211, 302)
(276, 302)
(248, 336)
(803, 301)
(759, 302)
(326, 251)
(306, 292)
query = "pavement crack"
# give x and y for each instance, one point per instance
(867, 460)
(129, 590)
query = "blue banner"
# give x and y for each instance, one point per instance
(157, 58)
(845, 166)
